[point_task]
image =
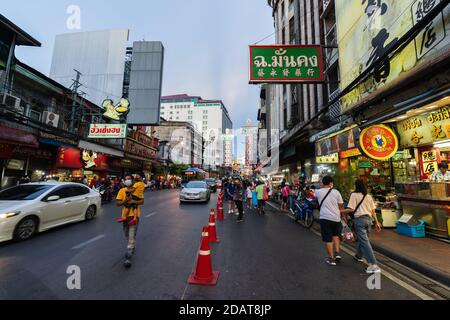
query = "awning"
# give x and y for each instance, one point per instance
(55, 143)
(99, 148)
(18, 137)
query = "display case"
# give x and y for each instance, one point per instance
(428, 201)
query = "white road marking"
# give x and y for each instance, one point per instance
(151, 215)
(81, 245)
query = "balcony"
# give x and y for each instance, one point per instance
(328, 5)
(331, 52)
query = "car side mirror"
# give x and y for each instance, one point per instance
(53, 198)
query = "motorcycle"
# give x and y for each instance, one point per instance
(303, 210)
(105, 193)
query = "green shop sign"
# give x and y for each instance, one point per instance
(286, 63)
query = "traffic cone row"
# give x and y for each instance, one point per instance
(212, 227)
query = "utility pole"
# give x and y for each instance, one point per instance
(75, 86)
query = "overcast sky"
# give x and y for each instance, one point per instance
(206, 41)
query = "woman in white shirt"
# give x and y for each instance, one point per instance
(362, 205)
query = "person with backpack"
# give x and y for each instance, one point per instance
(330, 206)
(361, 207)
(285, 193)
(261, 193)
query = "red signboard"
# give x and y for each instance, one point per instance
(379, 142)
(69, 158)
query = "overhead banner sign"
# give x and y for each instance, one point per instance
(286, 63)
(108, 131)
(367, 29)
(378, 142)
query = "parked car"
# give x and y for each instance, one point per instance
(35, 207)
(211, 184)
(195, 191)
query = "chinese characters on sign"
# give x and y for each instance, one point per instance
(429, 161)
(426, 128)
(286, 64)
(433, 33)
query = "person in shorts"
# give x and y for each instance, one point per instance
(331, 204)
(285, 192)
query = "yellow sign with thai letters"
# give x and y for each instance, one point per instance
(425, 129)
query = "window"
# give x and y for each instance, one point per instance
(205, 123)
(35, 115)
(205, 111)
(189, 118)
(63, 193)
(178, 118)
(79, 191)
(171, 112)
(205, 117)
(24, 192)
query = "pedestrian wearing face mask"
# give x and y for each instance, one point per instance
(129, 200)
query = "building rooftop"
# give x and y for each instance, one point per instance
(22, 38)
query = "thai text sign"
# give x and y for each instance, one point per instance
(108, 131)
(367, 29)
(425, 128)
(285, 63)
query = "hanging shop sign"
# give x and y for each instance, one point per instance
(51, 139)
(116, 112)
(425, 129)
(69, 158)
(429, 160)
(368, 29)
(136, 149)
(286, 63)
(107, 131)
(339, 142)
(378, 142)
(332, 158)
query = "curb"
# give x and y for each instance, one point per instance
(420, 267)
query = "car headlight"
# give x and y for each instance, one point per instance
(9, 215)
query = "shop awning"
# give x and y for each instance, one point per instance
(18, 137)
(55, 143)
(99, 148)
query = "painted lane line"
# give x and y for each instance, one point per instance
(84, 244)
(151, 215)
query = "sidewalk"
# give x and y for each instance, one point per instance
(427, 256)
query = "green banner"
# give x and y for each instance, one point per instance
(286, 63)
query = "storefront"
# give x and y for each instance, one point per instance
(424, 135)
(140, 154)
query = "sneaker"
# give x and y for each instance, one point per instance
(337, 257)
(358, 259)
(330, 261)
(127, 264)
(373, 269)
(241, 220)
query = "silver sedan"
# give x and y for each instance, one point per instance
(195, 191)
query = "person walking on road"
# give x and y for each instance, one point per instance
(362, 206)
(249, 196)
(130, 202)
(238, 199)
(285, 193)
(330, 206)
(229, 196)
(261, 193)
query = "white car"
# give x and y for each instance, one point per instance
(35, 207)
(195, 191)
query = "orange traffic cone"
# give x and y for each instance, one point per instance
(203, 274)
(212, 230)
(219, 212)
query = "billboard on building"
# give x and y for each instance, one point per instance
(286, 63)
(367, 29)
(146, 83)
(98, 55)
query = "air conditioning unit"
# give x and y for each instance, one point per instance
(50, 119)
(12, 102)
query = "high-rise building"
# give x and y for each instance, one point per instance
(209, 117)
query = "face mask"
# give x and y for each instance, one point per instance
(128, 183)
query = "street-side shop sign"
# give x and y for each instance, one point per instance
(286, 63)
(340, 142)
(332, 158)
(425, 128)
(107, 131)
(367, 29)
(378, 142)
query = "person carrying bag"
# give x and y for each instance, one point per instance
(362, 206)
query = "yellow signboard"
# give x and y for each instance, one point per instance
(332, 158)
(425, 129)
(367, 29)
